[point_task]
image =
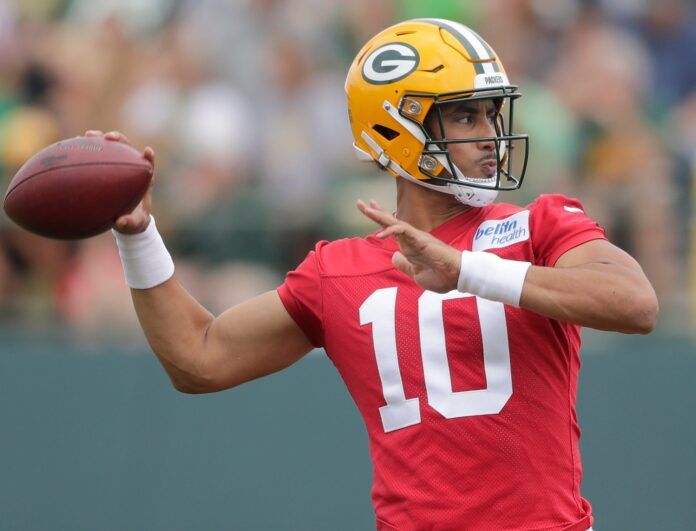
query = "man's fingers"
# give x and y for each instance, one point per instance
(149, 154)
(402, 264)
(370, 212)
(121, 223)
(406, 234)
(136, 221)
(376, 214)
(117, 136)
(392, 226)
(388, 216)
(111, 135)
(393, 230)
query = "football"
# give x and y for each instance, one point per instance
(77, 188)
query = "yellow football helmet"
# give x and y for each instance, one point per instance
(411, 69)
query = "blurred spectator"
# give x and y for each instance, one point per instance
(668, 30)
(243, 102)
(303, 131)
(625, 175)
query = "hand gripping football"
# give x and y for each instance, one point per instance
(77, 188)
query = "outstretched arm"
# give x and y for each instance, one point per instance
(595, 284)
(202, 353)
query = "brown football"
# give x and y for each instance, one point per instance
(77, 187)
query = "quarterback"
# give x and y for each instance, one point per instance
(455, 326)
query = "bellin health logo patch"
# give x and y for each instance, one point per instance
(496, 233)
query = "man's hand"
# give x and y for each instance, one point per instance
(138, 220)
(434, 265)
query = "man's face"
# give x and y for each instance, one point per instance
(469, 119)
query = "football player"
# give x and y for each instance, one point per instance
(455, 327)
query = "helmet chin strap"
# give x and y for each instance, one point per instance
(467, 195)
(475, 197)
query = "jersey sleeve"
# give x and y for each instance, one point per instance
(559, 224)
(301, 295)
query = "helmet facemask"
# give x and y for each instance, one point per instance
(436, 161)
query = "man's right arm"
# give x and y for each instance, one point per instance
(203, 354)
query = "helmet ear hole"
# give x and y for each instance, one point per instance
(386, 132)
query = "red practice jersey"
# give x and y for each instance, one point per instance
(469, 404)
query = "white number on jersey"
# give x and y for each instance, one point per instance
(379, 309)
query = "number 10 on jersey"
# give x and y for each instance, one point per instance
(379, 309)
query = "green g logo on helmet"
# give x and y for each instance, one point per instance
(390, 63)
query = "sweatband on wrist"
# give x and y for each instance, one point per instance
(491, 277)
(146, 261)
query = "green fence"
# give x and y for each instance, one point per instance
(96, 439)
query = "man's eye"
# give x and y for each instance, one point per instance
(464, 119)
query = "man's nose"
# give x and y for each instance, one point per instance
(487, 132)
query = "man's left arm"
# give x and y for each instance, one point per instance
(595, 284)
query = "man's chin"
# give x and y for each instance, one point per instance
(481, 175)
(484, 176)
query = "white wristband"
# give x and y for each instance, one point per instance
(146, 261)
(492, 277)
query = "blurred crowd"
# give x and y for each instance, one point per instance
(243, 102)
